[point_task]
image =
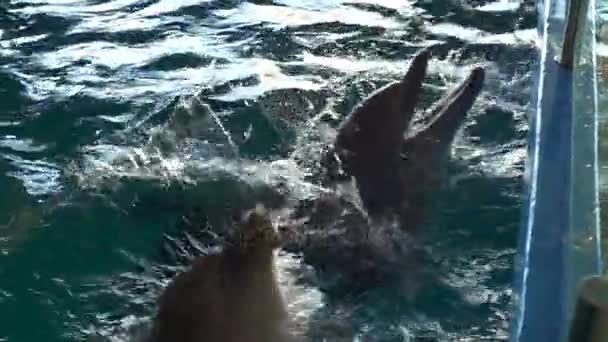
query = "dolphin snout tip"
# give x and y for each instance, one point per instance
(417, 68)
(478, 73)
(421, 58)
(477, 76)
(424, 52)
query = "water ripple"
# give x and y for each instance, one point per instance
(120, 118)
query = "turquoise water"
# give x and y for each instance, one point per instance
(104, 152)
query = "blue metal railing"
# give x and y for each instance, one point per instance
(559, 241)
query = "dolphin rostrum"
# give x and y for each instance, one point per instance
(395, 171)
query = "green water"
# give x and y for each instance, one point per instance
(87, 199)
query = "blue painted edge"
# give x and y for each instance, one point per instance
(585, 251)
(525, 299)
(545, 274)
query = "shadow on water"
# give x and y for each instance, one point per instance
(116, 173)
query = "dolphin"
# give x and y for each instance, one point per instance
(395, 170)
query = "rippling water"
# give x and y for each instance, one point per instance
(106, 143)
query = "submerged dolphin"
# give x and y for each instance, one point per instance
(396, 172)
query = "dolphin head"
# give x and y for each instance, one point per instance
(395, 170)
(377, 124)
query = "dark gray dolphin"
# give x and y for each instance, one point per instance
(394, 170)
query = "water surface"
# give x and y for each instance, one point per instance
(93, 184)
